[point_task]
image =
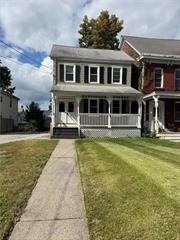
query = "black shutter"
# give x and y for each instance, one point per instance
(102, 75)
(86, 73)
(109, 75)
(78, 69)
(124, 77)
(61, 70)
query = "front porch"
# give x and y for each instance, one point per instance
(162, 112)
(98, 115)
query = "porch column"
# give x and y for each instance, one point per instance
(109, 112)
(78, 99)
(139, 112)
(156, 104)
(52, 113)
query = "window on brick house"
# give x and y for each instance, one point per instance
(158, 77)
(177, 78)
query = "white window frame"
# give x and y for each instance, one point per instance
(74, 69)
(97, 99)
(121, 72)
(98, 72)
(162, 77)
(177, 69)
(175, 112)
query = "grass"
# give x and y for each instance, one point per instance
(21, 163)
(131, 188)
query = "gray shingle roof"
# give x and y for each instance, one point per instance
(89, 54)
(86, 89)
(145, 46)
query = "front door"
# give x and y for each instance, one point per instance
(67, 114)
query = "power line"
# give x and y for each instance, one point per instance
(28, 57)
(34, 68)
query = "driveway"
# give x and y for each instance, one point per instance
(13, 137)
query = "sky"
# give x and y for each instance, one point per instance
(32, 26)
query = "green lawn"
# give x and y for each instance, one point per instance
(21, 163)
(131, 188)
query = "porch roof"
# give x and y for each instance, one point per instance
(87, 89)
(164, 94)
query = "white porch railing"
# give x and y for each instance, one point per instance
(124, 120)
(101, 119)
(93, 119)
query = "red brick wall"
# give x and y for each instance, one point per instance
(130, 51)
(169, 77)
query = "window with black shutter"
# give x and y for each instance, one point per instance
(78, 70)
(124, 76)
(102, 75)
(61, 70)
(109, 75)
(86, 74)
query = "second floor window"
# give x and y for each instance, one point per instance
(116, 75)
(177, 78)
(94, 74)
(158, 77)
(69, 73)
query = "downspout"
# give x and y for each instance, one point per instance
(143, 71)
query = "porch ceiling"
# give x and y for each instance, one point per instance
(164, 94)
(79, 89)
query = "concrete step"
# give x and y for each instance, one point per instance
(65, 133)
(169, 136)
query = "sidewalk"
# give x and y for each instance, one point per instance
(55, 210)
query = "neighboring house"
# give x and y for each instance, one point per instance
(92, 93)
(156, 72)
(8, 112)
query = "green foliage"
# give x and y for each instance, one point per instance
(34, 117)
(6, 79)
(31, 126)
(100, 32)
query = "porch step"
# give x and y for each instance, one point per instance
(65, 132)
(169, 136)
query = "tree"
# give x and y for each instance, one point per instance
(34, 116)
(6, 79)
(100, 32)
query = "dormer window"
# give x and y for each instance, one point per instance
(94, 74)
(158, 77)
(117, 75)
(69, 73)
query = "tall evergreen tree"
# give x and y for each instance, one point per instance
(100, 32)
(6, 79)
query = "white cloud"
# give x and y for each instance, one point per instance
(31, 84)
(37, 24)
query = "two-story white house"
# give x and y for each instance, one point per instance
(92, 94)
(8, 112)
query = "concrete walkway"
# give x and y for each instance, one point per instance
(55, 210)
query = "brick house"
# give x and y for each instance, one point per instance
(156, 72)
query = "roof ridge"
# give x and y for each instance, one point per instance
(102, 49)
(151, 38)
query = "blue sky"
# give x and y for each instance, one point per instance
(33, 26)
